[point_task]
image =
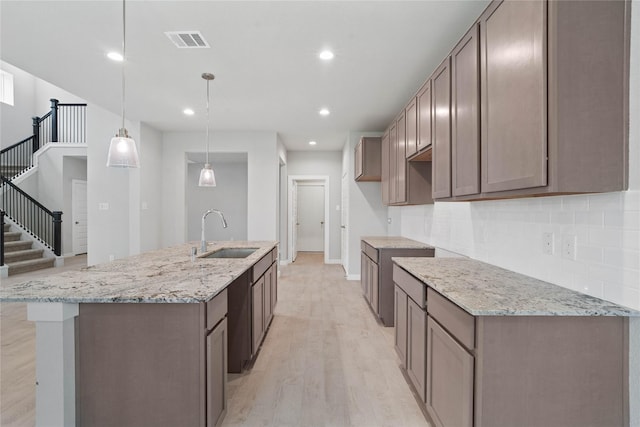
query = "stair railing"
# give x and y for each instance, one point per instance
(43, 224)
(64, 122)
(2, 237)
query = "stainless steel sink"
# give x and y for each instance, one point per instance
(231, 253)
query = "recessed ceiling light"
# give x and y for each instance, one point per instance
(324, 112)
(115, 56)
(326, 55)
(188, 112)
(312, 143)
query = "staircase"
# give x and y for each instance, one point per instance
(19, 255)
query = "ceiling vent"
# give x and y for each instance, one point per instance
(187, 39)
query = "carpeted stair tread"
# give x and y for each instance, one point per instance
(17, 245)
(30, 265)
(11, 236)
(23, 255)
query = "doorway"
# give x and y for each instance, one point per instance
(79, 216)
(308, 215)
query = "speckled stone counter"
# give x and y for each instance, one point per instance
(162, 276)
(485, 290)
(393, 242)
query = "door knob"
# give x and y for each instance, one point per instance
(77, 223)
(343, 226)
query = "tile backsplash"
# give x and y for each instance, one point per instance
(596, 238)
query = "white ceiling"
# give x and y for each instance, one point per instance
(263, 53)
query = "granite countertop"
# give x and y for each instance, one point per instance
(394, 242)
(162, 276)
(485, 290)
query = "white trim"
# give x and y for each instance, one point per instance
(284, 262)
(325, 182)
(4, 271)
(333, 261)
(353, 277)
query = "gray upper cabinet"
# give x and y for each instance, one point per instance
(424, 116)
(465, 115)
(393, 163)
(385, 168)
(411, 135)
(401, 160)
(514, 94)
(441, 131)
(367, 159)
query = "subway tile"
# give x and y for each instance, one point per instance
(590, 254)
(622, 258)
(629, 220)
(609, 275)
(551, 204)
(607, 237)
(589, 218)
(631, 200)
(561, 218)
(631, 240)
(575, 203)
(623, 295)
(605, 201)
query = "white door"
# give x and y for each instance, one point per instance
(310, 218)
(79, 216)
(344, 220)
(294, 219)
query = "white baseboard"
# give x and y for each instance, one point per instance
(284, 262)
(333, 261)
(353, 277)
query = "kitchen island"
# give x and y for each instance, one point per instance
(147, 340)
(484, 346)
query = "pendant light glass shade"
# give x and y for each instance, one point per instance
(123, 152)
(207, 176)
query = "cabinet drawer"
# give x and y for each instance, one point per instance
(370, 251)
(458, 322)
(274, 254)
(216, 309)
(261, 266)
(412, 286)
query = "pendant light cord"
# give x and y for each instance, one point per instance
(208, 121)
(124, 46)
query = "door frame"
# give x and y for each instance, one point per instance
(324, 181)
(74, 232)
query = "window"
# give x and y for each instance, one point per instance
(6, 87)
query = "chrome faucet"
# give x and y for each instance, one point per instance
(203, 242)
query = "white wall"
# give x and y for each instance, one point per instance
(322, 163)
(261, 149)
(16, 118)
(150, 206)
(282, 197)
(230, 196)
(367, 215)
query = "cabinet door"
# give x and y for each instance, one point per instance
(424, 116)
(364, 273)
(400, 323)
(411, 117)
(449, 379)
(393, 164)
(358, 160)
(401, 159)
(385, 168)
(416, 346)
(267, 299)
(465, 115)
(441, 131)
(274, 287)
(374, 286)
(257, 293)
(514, 95)
(217, 374)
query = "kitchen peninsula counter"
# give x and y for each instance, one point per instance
(162, 276)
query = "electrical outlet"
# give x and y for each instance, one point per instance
(112, 257)
(569, 246)
(547, 243)
(145, 206)
(388, 220)
(103, 206)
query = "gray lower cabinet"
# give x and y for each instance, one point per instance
(449, 396)
(217, 374)
(400, 324)
(376, 276)
(505, 371)
(152, 364)
(416, 346)
(263, 299)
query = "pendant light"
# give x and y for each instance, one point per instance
(207, 177)
(122, 150)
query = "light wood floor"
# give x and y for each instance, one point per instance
(325, 360)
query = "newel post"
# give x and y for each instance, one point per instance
(54, 120)
(57, 232)
(36, 133)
